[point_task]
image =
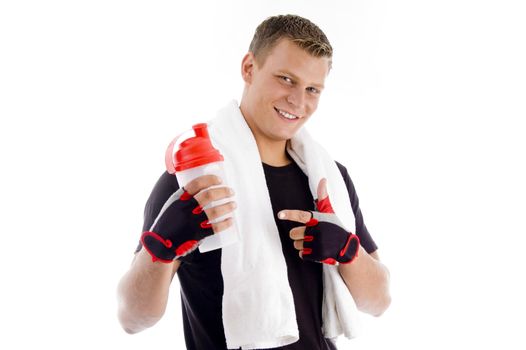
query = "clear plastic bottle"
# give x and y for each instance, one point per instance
(196, 156)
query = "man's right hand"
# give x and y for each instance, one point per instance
(182, 223)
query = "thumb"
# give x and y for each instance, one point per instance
(322, 189)
(323, 202)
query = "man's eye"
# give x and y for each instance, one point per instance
(313, 90)
(286, 79)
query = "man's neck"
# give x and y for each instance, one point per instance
(273, 153)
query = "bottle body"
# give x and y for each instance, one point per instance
(225, 237)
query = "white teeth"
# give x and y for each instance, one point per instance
(287, 115)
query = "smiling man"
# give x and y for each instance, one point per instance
(284, 74)
(283, 83)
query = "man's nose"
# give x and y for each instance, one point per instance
(297, 98)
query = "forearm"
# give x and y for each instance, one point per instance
(368, 281)
(143, 292)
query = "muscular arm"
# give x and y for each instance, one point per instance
(368, 281)
(143, 292)
(366, 277)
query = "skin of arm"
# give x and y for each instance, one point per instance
(368, 281)
(366, 277)
(143, 292)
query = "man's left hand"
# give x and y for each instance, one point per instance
(323, 238)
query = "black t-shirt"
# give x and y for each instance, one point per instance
(200, 273)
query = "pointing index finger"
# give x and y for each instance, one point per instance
(295, 215)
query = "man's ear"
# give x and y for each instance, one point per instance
(247, 67)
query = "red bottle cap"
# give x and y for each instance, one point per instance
(192, 152)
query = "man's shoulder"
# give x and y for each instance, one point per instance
(343, 170)
(167, 182)
(347, 179)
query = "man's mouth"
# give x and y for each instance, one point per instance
(287, 115)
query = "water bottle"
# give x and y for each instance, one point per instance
(196, 156)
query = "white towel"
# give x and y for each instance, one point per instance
(258, 307)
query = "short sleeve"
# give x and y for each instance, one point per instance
(366, 240)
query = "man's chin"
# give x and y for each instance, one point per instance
(286, 136)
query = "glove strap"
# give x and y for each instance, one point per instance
(147, 238)
(161, 249)
(353, 242)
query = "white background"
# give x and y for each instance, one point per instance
(423, 105)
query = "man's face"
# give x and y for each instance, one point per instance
(283, 93)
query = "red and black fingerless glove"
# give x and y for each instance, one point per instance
(178, 229)
(326, 240)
